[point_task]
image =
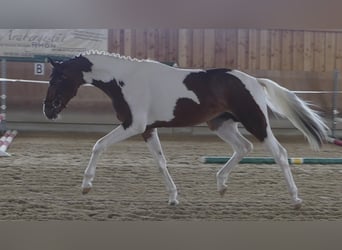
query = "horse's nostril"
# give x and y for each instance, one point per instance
(57, 103)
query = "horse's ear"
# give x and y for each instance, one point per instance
(52, 62)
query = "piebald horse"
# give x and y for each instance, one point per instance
(147, 94)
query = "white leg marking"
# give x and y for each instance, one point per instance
(116, 135)
(280, 156)
(229, 133)
(155, 148)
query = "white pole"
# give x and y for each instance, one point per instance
(3, 96)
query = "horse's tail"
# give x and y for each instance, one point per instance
(286, 103)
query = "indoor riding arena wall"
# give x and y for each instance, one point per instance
(298, 60)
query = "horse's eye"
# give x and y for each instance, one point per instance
(64, 77)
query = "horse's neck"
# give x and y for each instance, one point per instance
(107, 68)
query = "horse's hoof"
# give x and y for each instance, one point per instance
(173, 203)
(86, 190)
(298, 204)
(222, 191)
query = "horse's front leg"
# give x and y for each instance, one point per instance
(152, 140)
(116, 135)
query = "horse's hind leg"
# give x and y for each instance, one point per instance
(152, 140)
(280, 156)
(228, 131)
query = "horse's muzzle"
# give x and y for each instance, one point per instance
(50, 112)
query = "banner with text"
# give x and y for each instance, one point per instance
(59, 42)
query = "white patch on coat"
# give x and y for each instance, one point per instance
(151, 89)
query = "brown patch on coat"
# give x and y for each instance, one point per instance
(147, 134)
(113, 90)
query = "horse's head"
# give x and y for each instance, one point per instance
(65, 80)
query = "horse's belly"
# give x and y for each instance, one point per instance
(187, 112)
